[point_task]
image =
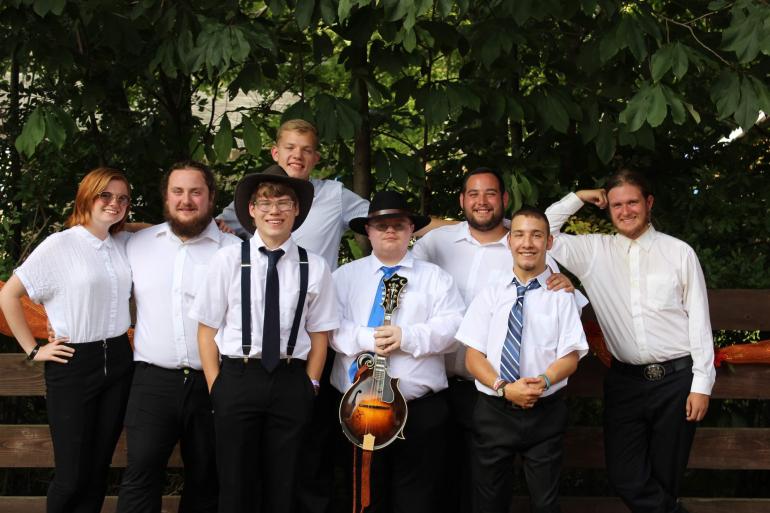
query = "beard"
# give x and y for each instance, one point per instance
(491, 224)
(188, 229)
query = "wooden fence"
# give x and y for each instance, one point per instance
(748, 448)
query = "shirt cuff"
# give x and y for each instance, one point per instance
(701, 385)
(366, 339)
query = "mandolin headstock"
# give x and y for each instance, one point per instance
(392, 292)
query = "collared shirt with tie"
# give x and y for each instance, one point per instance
(649, 294)
(552, 328)
(218, 300)
(429, 311)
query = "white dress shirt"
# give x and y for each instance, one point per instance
(167, 272)
(552, 328)
(217, 303)
(429, 312)
(333, 208)
(83, 282)
(474, 266)
(649, 294)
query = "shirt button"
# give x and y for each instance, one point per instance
(186, 371)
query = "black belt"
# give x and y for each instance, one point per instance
(181, 370)
(98, 344)
(652, 371)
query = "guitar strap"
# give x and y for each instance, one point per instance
(246, 299)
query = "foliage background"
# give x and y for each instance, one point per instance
(406, 94)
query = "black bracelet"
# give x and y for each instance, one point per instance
(31, 355)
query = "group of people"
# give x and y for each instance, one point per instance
(243, 348)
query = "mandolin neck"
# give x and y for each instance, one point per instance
(380, 370)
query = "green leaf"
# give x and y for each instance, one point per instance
(679, 61)
(304, 13)
(634, 37)
(355, 249)
(343, 9)
(610, 45)
(661, 62)
(513, 108)
(742, 37)
(252, 138)
(522, 11)
(657, 111)
(678, 114)
(223, 141)
(54, 131)
(42, 7)
(328, 12)
(552, 112)
(32, 133)
(726, 94)
(605, 141)
(693, 112)
(410, 40)
(635, 113)
(763, 94)
(349, 119)
(716, 5)
(589, 127)
(57, 6)
(444, 8)
(748, 108)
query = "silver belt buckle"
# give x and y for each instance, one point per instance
(654, 372)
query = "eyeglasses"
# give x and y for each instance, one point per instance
(284, 205)
(107, 198)
(383, 227)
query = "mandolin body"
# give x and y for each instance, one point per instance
(364, 411)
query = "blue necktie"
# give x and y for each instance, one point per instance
(511, 356)
(377, 315)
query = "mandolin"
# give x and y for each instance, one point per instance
(373, 411)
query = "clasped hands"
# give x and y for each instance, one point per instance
(386, 339)
(525, 392)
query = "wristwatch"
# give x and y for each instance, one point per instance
(499, 387)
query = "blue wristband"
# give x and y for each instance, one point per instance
(547, 381)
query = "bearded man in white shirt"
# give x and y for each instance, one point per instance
(169, 400)
(405, 475)
(650, 299)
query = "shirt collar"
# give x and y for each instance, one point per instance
(287, 246)
(463, 233)
(92, 239)
(645, 240)
(542, 278)
(375, 264)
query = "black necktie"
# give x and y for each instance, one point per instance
(271, 329)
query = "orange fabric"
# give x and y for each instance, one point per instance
(758, 352)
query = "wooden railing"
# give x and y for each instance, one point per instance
(748, 448)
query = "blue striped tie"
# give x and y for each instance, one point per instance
(511, 355)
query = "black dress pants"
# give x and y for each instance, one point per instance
(502, 431)
(86, 402)
(405, 476)
(167, 406)
(457, 485)
(260, 419)
(647, 439)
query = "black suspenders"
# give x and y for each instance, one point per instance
(246, 299)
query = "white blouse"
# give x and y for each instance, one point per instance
(83, 282)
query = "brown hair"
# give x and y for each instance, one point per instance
(94, 183)
(628, 176)
(297, 125)
(274, 190)
(528, 211)
(208, 176)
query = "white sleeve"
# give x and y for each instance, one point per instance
(699, 325)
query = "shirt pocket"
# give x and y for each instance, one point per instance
(543, 331)
(190, 286)
(663, 291)
(413, 306)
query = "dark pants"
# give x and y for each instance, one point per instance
(501, 432)
(405, 476)
(259, 419)
(315, 481)
(647, 439)
(166, 407)
(457, 485)
(86, 401)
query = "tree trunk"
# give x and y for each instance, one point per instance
(14, 123)
(362, 144)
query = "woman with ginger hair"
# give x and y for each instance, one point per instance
(82, 278)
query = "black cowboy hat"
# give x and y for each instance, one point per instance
(275, 173)
(388, 204)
